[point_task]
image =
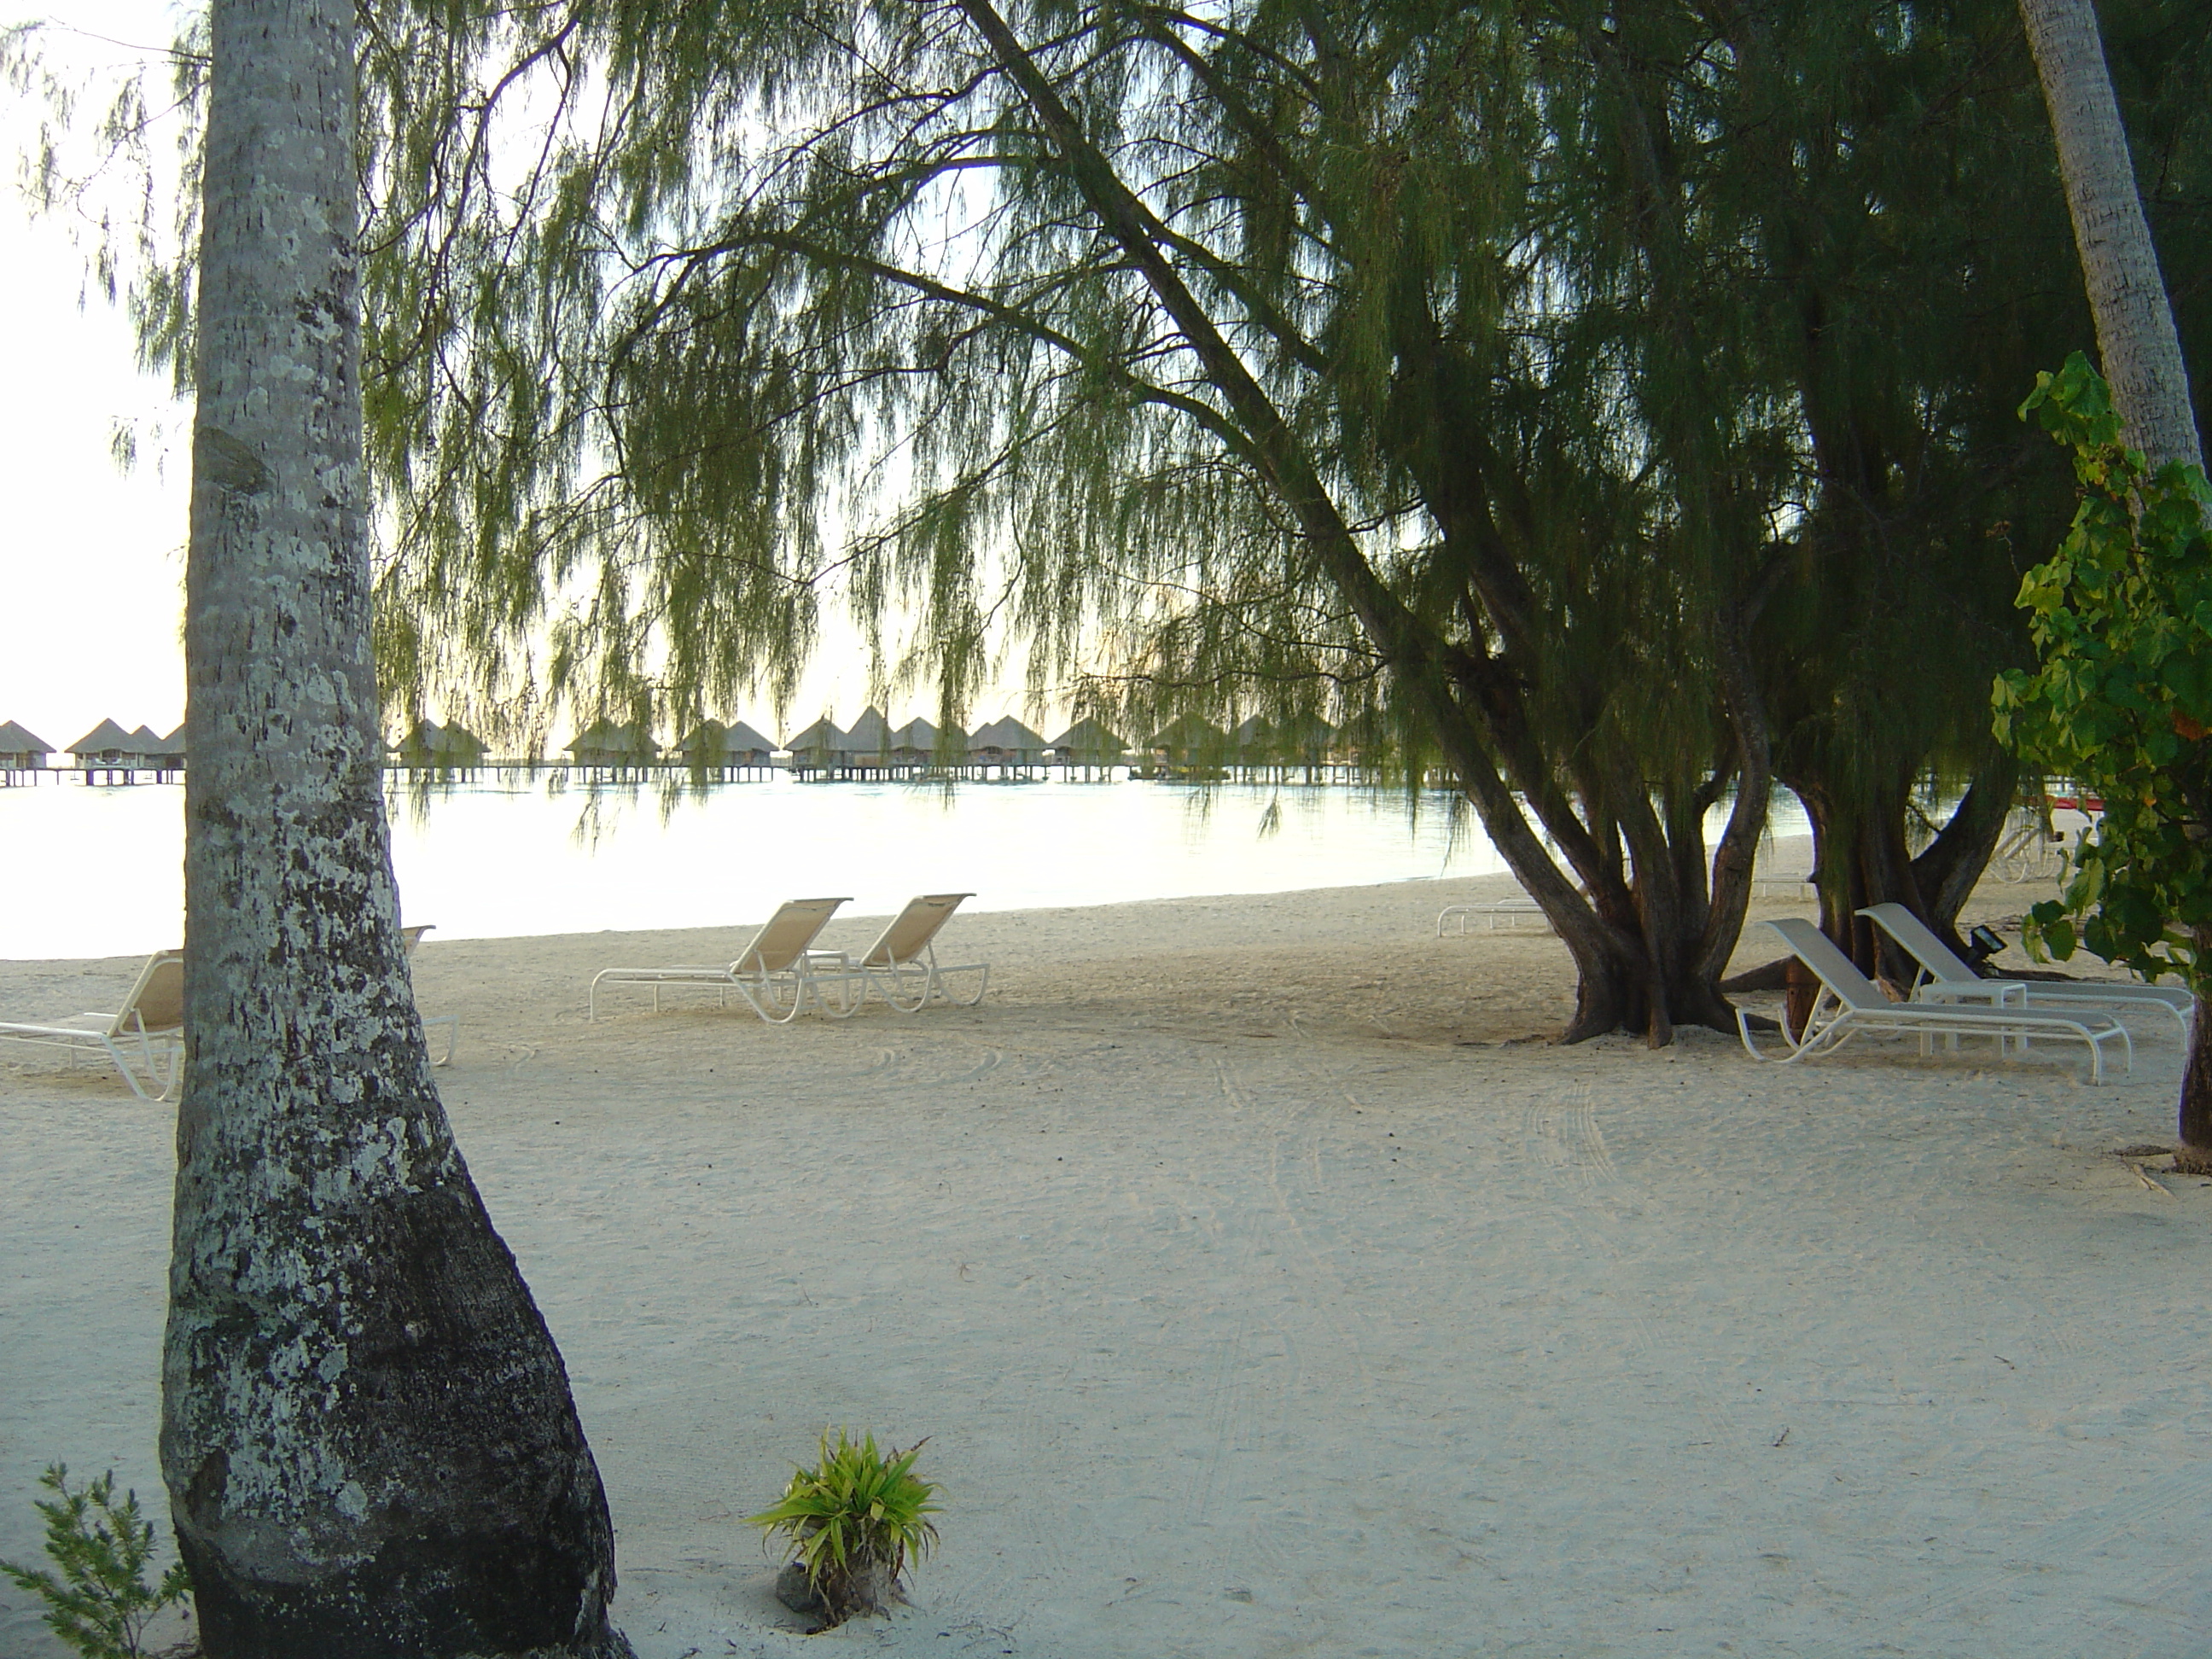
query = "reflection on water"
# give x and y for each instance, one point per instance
(98, 871)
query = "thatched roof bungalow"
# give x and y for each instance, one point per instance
(108, 747)
(1303, 741)
(870, 740)
(818, 745)
(1086, 742)
(431, 745)
(919, 743)
(21, 751)
(711, 743)
(609, 743)
(1005, 743)
(168, 753)
(1190, 740)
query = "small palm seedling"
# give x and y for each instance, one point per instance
(854, 1519)
(100, 1603)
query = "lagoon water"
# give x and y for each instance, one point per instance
(97, 872)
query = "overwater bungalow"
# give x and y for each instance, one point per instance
(20, 752)
(724, 751)
(1089, 745)
(146, 744)
(866, 751)
(1189, 746)
(110, 754)
(1006, 744)
(816, 749)
(433, 747)
(610, 746)
(168, 754)
(1261, 747)
(919, 746)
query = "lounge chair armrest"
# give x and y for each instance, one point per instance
(1997, 993)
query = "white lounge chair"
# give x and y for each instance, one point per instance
(777, 974)
(144, 1038)
(1510, 912)
(901, 965)
(412, 936)
(1944, 978)
(1848, 1003)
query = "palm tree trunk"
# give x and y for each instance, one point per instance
(366, 1431)
(2135, 336)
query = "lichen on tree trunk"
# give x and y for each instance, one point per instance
(367, 1434)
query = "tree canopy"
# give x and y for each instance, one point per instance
(1605, 405)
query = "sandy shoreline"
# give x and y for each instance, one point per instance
(1264, 1292)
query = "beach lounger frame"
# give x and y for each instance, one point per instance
(778, 975)
(1510, 911)
(901, 967)
(144, 1039)
(1848, 1003)
(1944, 978)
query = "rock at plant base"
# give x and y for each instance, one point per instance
(796, 1592)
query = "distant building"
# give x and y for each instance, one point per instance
(607, 742)
(1295, 742)
(817, 747)
(167, 753)
(918, 743)
(21, 751)
(151, 749)
(431, 746)
(1005, 743)
(712, 744)
(1086, 742)
(869, 742)
(108, 748)
(1191, 740)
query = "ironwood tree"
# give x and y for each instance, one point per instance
(1604, 406)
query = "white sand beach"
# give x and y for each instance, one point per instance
(1266, 1286)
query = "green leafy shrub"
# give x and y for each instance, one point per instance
(2121, 699)
(854, 1520)
(100, 1602)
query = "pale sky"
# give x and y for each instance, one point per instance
(91, 558)
(92, 563)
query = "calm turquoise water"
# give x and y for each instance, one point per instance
(97, 872)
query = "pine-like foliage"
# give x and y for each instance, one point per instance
(97, 1598)
(1605, 405)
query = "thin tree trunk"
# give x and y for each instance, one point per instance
(1947, 870)
(2135, 336)
(366, 1431)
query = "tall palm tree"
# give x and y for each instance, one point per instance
(366, 1431)
(2135, 335)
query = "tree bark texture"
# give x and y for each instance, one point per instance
(367, 1435)
(1860, 858)
(2135, 335)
